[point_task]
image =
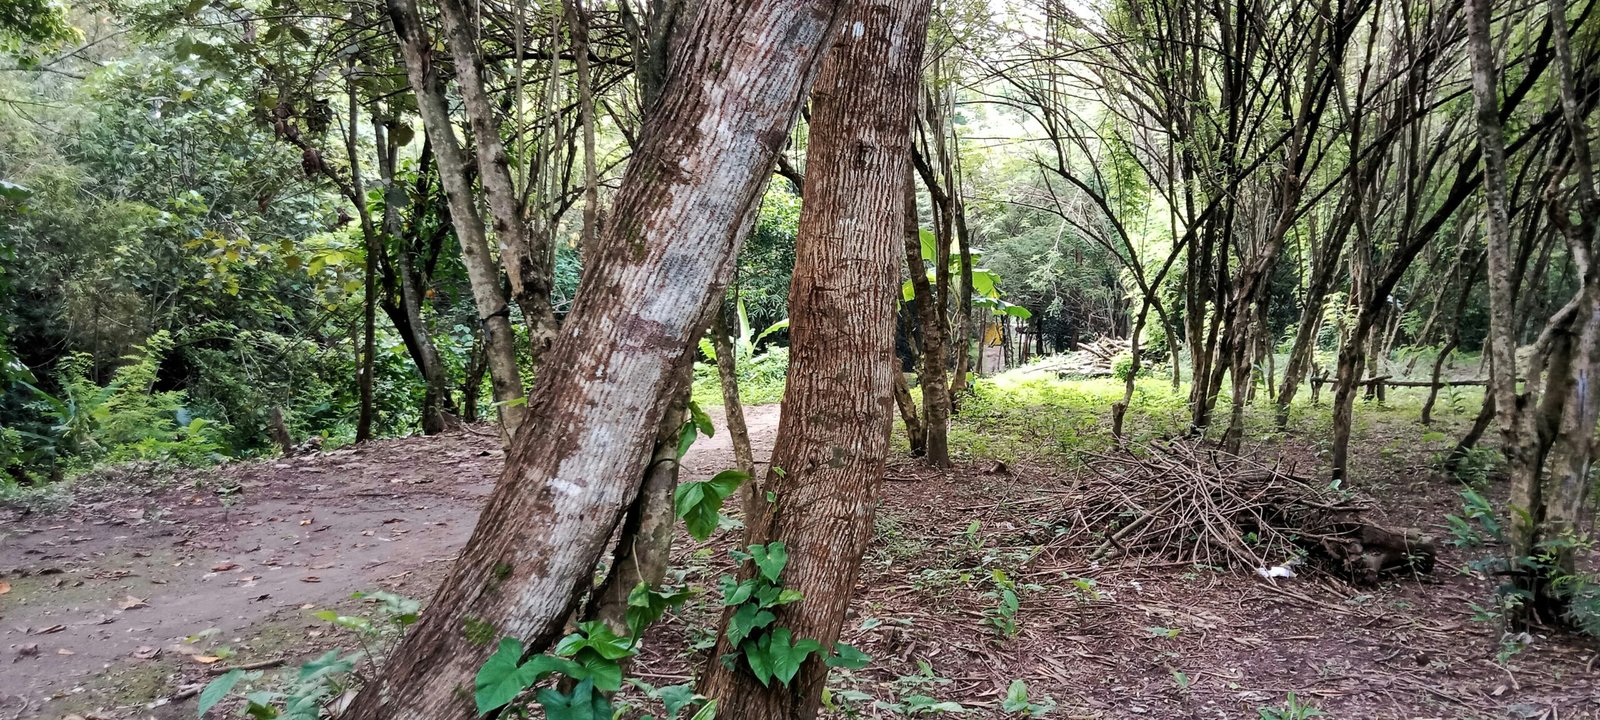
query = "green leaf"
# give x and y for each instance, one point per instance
(775, 656)
(930, 245)
(686, 439)
(699, 513)
(646, 605)
(775, 327)
(585, 703)
(770, 558)
(677, 697)
(599, 637)
(745, 621)
(984, 282)
(725, 483)
(503, 676)
(735, 593)
(707, 711)
(1016, 697)
(701, 420)
(218, 689)
(606, 674)
(758, 655)
(699, 504)
(329, 663)
(848, 656)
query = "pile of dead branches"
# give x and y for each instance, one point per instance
(1094, 358)
(1189, 503)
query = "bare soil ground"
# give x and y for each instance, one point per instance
(119, 605)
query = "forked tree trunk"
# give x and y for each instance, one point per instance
(735, 84)
(1572, 455)
(833, 437)
(527, 256)
(406, 310)
(1514, 410)
(482, 272)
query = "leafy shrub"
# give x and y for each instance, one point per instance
(126, 419)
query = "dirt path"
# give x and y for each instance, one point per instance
(109, 599)
(127, 597)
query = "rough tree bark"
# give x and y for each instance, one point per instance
(527, 256)
(645, 543)
(833, 438)
(1522, 448)
(493, 314)
(734, 85)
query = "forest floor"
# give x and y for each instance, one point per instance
(123, 600)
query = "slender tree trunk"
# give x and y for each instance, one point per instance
(916, 434)
(1521, 445)
(578, 26)
(744, 457)
(372, 248)
(930, 321)
(493, 314)
(684, 206)
(833, 438)
(963, 343)
(1120, 408)
(527, 256)
(1573, 454)
(1438, 370)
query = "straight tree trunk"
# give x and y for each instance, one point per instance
(833, 437)
(578, 27)
(372, 247)
(482, 272)
(740, 69)
(527, 256)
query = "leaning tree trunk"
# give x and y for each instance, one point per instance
(833, 438)
(734, 88)
(404, 306)
(931, 372)
(645, 543)
(482, 272)
(744, 456)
